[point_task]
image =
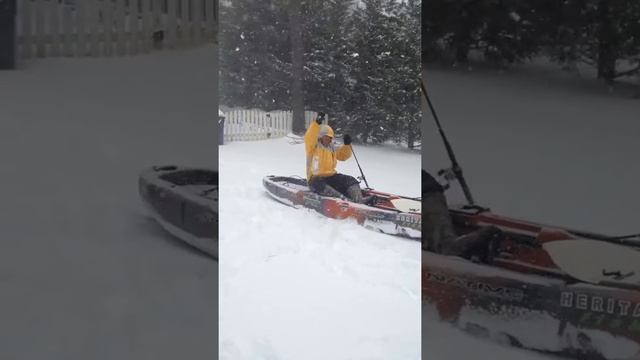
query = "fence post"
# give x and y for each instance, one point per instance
(256, 124)
(221, 119)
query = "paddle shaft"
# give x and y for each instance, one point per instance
(361, 173)
(455, 166)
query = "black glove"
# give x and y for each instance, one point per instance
(320, 118)
(347, 139)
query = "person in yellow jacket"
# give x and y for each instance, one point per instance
(322, 158)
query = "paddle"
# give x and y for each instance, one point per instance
(361, 173)
(407, 205)
(596, 261)
(456, 169)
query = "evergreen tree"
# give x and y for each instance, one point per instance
(508, 34)
(328, 49)
(405, 91)
(367, 106)
(255, 54)
(601, 33)
(361, 62)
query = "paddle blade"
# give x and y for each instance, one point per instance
(596, 262)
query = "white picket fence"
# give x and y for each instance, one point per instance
(255, 124)
(97, 28)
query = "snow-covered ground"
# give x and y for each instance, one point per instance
(536, 144)
(445, 342)
(84, 272)
(296, 285)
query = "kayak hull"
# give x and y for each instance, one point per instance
(383, 215)
(184, 201)
(522, 297)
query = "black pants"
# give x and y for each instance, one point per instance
(429, 184)
(437, 228)
(340, 182)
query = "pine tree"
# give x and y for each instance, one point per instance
(601, 33)
(406, 93)
(328, 49)
(369, 118)
(507, 35)
(255, 58)
(502, 30)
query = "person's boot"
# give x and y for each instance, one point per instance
(355, 193)
(331, 192)
(369, 200)
(480, 245)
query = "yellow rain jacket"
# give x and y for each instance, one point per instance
(322, 160)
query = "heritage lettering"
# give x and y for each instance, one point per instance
(610, 306)
(408, 219)
(566, 299)
(597, 304)
(514, 294)
(624, 307)
(582, 301)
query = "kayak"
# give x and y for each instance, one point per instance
(183, 201)
(383, 212)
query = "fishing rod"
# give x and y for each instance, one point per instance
(455, 167)
(361, 173)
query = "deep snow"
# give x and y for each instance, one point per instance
(445, 342)
(84, 272)
(535, 144)
(296, 285)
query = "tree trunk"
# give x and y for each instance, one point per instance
(411, 138)
(462, 37)
(606, 43)
(297, 50)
